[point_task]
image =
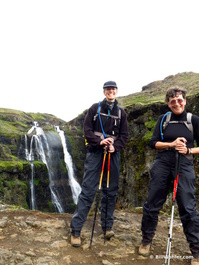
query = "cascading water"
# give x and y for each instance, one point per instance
(32, 188)
(30, 157)
(75, 187)
(41, 144)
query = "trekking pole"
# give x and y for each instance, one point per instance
(108, 173)
(107, 186)
(98, 193)
(175, 186)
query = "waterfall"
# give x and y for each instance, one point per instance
(27, 155)
(32, 188)
(30, 157)
(75, 187)
(41, 145)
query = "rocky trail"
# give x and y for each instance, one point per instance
(32, 237)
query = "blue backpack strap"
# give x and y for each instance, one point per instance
(99, 107)
(161, 123)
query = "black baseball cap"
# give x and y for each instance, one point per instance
(110, 84)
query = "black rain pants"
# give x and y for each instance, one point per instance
(162, 173)
(90, 185)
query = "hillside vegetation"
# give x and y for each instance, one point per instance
(155, 91)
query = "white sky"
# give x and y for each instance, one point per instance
(56, 55)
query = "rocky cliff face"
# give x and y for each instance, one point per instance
(16, 170)
(142, 110)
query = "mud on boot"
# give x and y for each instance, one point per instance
(75, 241)
(109, 234)
(144, 250)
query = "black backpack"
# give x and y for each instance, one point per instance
(164, 124)
(107, 115)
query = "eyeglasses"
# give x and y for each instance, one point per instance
(175, 101)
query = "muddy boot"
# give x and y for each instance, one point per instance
(144, 250)
(109, 234)
(195, 261)
(75, 241)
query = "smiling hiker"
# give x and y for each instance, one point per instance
(175, 131)
(105, 125)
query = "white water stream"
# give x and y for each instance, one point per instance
(75, 187)
(30, 157)
(41, 144)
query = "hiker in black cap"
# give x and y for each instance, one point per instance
(105, 124)
(170, 135)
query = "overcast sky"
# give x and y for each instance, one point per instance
(56, 55)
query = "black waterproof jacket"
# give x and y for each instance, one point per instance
(112, 126)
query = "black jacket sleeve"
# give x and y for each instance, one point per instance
(195, 122)
(91, 138)
(121, 141)
(156, 137)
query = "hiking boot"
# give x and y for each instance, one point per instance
(144, 250)
(109, 234)
(75, 241)
(195, 261)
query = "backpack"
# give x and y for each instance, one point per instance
(163, 124)
(107, 115)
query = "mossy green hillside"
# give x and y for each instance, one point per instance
(155, 91)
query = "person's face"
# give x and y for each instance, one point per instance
(177, 104)
(110, 93)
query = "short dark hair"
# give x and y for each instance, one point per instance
(173, 91)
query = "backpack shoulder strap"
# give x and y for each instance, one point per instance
(164, 125)
(99, 108)
(189, 121)
(168, 118)
(189, 117)
(119, 114)
(97, 111)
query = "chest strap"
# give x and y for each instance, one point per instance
(102, 136)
